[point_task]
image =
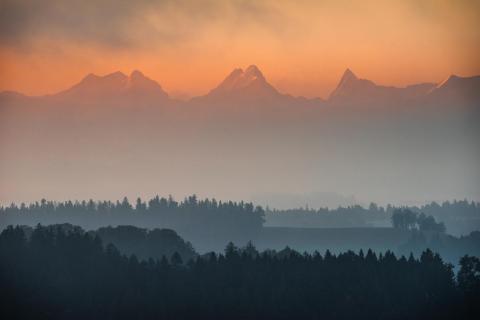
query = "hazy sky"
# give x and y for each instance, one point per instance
(302, 46)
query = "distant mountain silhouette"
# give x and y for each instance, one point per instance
(250, 82)
(114, 85)
(457, 90)
(250, 87)
(352, 90)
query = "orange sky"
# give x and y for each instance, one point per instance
(301, 46)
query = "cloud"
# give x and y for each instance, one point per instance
(125, 23)
(102, 21)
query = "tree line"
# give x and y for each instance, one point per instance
(57, 274)
(409, 220)
(213, 214)
(141, 242)
(199, 218)
(459, 217)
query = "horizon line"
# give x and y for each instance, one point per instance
(129, 74)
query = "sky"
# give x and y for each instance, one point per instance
(302, 46)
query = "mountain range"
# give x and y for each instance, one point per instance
(353, 90)
(250, 86)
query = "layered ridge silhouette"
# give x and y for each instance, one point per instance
(250, 85)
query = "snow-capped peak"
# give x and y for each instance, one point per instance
(239, 79)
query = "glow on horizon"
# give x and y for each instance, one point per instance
(190, 46)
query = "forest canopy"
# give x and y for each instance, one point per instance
(55, 274)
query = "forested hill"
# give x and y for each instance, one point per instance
(210, 224)
(145, 244)
(69, 275)
(459, 217)
(206, 221)
(129, 240)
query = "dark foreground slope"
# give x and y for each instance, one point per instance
(59, 275)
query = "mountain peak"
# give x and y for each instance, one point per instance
(348, 75)
(116, 76)
(252, 72)
(347, 80)
(239, 79)
(448, 81)
(141, 84)
(136, 74)
(232, 79)
(457, 87)
(117, 83)
(90, 77)
(107, 82)
(249, 83)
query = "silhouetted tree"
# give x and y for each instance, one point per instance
(176, 259)
(404, 219)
